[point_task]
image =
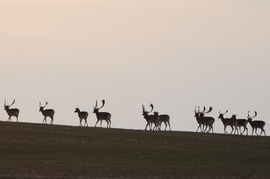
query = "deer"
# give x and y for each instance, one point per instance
(82, 115)
(227, 121)
(256, 124)
(165, 118)
(199, 119)
(46, 113)
(241, 123)
(11, 112)
(207, 121)
(150, 119)
(102, 115)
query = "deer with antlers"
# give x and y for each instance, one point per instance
(11, 112)
(207, 121)
(102, 115)
(256, 124)
(199, 119)
(227, 121)
(46, 113)
(82, 115)
(151, 119)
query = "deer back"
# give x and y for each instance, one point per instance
(103, 115)
(164, 117)
(83, 115)
(48, 112)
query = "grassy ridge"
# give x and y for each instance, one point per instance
(44, 151)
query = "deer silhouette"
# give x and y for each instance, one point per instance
(199, 119)
(256, 124)
(102, 115)
(151, 119)
(207, 121)
(165, 118)
(227, 121)
(46, 113)
(11, 112)
(82, 115)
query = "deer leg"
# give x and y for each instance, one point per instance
(44, 120)
(97, 122)
(198, 128)
(232, 129)
(256, 131)
(52, 120)
(225, 132)
(165, 126)
(264, 132)
(146, 126)
(107, 123)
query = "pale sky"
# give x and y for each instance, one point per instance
(174, 54)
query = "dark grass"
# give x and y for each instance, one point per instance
(52, 151)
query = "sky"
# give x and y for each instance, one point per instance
(174, 54)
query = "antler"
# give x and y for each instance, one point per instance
(152, 107)
(195, 109)
(46, 104)
(95, 105)
(5, 102)
(204, 108)
(210, 109)
(103, 103)
(143, 108)
(12, 102)
(255, 114)
(223, 113)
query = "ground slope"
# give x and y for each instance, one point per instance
(53, 151)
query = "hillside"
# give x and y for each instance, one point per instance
(52, 151)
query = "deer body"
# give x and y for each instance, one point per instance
(82, 116)
(164, 118)
(151, 119)
(102, 115)
(202, 120)
(46, 113)
(199, 120)
(227, 122)
(208, 122)
(256, 124)
(11, 112)
(242, 123)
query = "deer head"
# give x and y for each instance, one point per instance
(42, 107)
(8, 106)
(222, 114)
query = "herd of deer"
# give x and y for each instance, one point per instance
(236, 124)
(154, 121)
(50, 113)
